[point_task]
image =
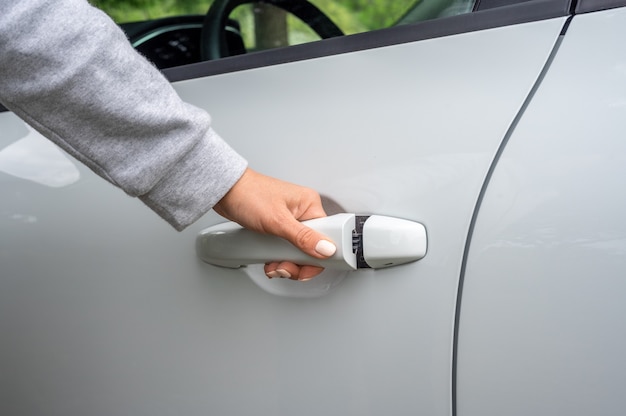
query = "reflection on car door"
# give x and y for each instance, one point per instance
(108, 311)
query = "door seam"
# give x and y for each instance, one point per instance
(511, 129)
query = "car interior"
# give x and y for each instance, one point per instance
(180, 40)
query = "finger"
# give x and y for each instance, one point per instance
(288, 270)
(301, 273)
(308, 240)
(294, 272)
(285, 269)
(309, 272)
(270, 270)
(313, 206)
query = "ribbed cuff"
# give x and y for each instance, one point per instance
(197, 182)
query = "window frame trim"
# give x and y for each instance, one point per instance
(524, 12)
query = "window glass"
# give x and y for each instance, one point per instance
(169, 31)
(352, 16)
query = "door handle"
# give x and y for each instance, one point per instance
(362, 242)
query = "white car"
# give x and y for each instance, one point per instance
(502, 131)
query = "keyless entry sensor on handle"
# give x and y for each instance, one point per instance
(373, 241)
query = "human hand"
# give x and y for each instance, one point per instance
(271, 206)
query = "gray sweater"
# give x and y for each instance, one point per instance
(70, 72)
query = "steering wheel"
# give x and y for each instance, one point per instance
(213, 41)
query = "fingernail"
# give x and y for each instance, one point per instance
(304, 279)
(283, 273)
(272, 274)
(325, 248)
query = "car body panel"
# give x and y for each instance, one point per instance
(541, 328)
(106, 310)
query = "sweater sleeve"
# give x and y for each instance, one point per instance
(68, 70)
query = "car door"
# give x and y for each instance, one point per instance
(542, 327)
(105, 310)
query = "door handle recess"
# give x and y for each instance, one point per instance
(362, 242)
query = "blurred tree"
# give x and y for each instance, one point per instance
(270, 27)
(351, 15)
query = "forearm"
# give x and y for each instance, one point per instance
(69, 71)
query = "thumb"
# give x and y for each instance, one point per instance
(308, 240)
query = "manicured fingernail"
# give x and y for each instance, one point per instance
(272, 274)
(304, 279)
(283, 273)
(325, 248)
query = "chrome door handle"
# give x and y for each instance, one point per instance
(362, 242)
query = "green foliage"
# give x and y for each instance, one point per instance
(372, 14)
(137, 10)
(351, 16)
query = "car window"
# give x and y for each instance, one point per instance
(170, 33)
